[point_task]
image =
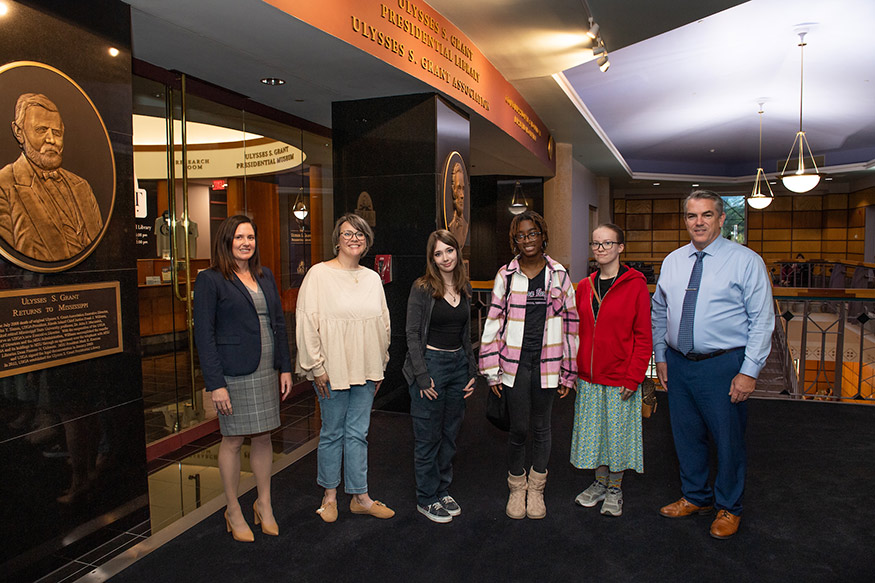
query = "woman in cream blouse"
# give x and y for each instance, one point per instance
(343, 347)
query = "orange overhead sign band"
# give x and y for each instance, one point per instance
(413, 37)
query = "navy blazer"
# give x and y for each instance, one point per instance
(226, 327)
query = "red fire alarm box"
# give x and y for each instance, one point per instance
(383, 266)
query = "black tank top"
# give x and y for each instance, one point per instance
(447, 324)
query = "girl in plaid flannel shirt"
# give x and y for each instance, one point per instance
(527, 354)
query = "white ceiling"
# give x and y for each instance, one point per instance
(683, 80)
(690, 97)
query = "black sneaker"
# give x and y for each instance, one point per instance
(435, 512)
(451, 505)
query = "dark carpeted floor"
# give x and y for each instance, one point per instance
(809, 514)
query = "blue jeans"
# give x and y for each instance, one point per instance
(346, 417)
(436, 423)
(699, 406)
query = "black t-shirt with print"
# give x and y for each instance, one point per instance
(536, 313)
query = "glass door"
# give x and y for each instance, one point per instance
(238, 162)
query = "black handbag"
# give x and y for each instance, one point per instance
(496, 409)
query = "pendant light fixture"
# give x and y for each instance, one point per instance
(518, 203)
(299, 209)
(802, 179)
(758, 199)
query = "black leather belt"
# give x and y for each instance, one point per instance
(696, 357)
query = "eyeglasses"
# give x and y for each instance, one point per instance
(349, 235)
(530, 236)
(606, 245)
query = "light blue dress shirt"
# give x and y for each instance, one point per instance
(734, 307)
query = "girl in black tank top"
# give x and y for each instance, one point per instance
(440, 368)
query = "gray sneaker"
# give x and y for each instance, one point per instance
(435, 512)
(613, 504)
(592, 495)
(451, 505)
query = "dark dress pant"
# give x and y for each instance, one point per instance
(699, 403)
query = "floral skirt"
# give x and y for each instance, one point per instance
(607, 430)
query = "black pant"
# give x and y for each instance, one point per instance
(529, 405)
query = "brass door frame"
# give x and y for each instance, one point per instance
(185, 261)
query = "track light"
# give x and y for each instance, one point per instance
(604, 64)
(593, 31)
(598, 49)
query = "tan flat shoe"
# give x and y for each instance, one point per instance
(377, 509)
(328, 511)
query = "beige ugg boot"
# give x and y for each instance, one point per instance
(516, 502)
(535, 507)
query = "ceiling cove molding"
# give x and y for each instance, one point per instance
(581, 107)
(838, 169)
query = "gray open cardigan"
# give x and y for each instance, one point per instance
(419, 307)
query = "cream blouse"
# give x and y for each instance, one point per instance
(342, 326)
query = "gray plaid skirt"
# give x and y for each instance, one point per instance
(255, 398)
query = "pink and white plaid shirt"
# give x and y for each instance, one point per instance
(505, 325)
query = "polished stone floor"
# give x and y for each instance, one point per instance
(180, 482)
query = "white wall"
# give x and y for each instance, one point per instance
(584, 193)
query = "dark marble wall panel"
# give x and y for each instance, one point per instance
(394, 148)
(72, 450)
(384, 136)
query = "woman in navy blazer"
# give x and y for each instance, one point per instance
(241, 339)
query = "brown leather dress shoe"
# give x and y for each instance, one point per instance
(683, 508)
(725, 525)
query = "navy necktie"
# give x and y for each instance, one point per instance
(688, 314)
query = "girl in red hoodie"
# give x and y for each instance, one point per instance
(615, 349)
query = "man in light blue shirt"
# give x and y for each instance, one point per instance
(713, 317)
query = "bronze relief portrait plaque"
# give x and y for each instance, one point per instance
(57, 169)
(456, 194)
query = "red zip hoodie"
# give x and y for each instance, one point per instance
(615, 348)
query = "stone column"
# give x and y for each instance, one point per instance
(558, 206)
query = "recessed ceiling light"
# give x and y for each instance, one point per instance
(113, 52)
(655, 184)
(695, 185)
(828, 178)
(273, 81)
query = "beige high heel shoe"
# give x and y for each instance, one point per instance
(243, 536)
(271, 529)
